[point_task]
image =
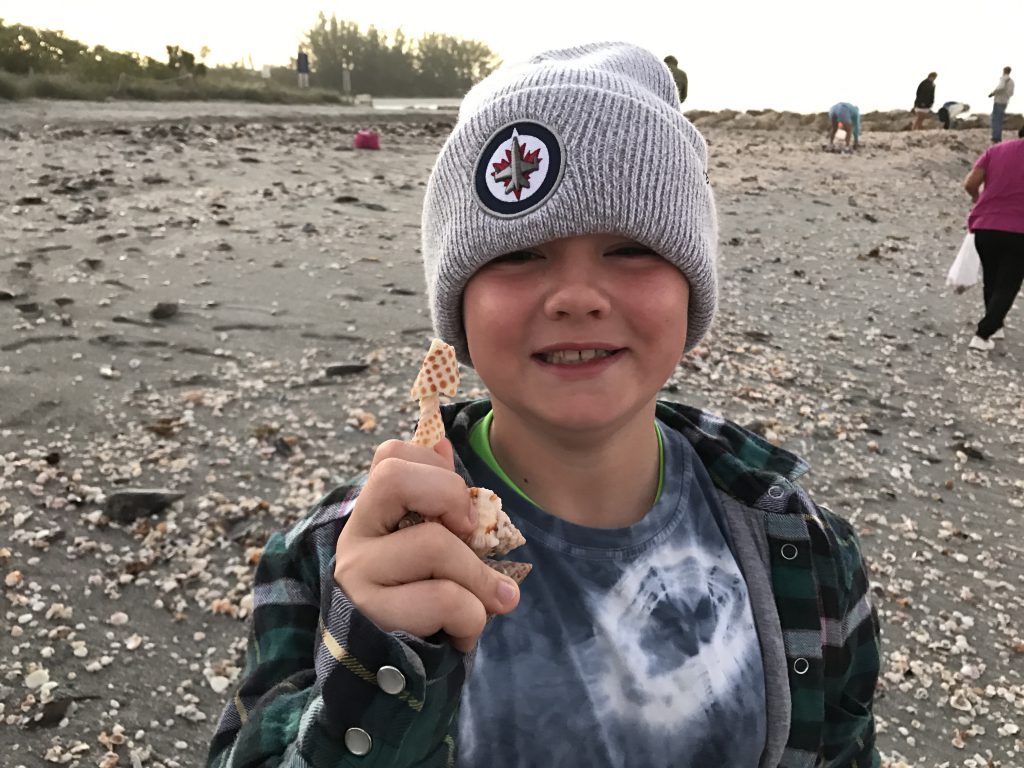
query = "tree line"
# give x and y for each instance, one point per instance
(380, 64)
(26, 50)
(341, 55)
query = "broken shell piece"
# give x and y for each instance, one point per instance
(411, 518)
(37, 678)
(495, 534)
(515, 571)
(960, 701)
(439, 373)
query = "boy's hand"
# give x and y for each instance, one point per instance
(423, 578)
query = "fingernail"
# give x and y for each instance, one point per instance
(507, 591)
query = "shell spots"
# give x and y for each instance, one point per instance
(439, 373)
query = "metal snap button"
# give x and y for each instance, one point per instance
(800, 666)
(358, 741)
(776, 492)
(789, 551)
(390, 680)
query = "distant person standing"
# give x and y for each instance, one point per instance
(997, 221)
(849, 116)
(951, 109)
(302, 66)
(1000, 98)
(924, 100)
(678, 75)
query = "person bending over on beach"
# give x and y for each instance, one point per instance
(950, 110)
(996, 185)
(689, 605)
(849, 116)
(923, 100)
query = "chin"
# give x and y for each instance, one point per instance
(581, 416)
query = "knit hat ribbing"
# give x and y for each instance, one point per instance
(586, 140)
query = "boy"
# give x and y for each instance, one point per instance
(689, 605)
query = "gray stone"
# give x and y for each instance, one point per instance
(129, 505)
(164, 310)
(344, 369)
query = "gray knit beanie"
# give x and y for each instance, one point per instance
(578, 141)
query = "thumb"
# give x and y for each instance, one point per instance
(444, 450)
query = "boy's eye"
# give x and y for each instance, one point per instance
(516, 257)
(634, 249)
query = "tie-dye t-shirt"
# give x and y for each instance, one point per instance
(630, 647)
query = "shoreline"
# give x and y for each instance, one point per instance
(29, 114)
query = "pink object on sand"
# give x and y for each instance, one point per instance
(367, 139)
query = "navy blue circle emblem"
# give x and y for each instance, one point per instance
(519, 168)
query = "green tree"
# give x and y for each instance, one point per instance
(400, 63)
(25, 49)
(435, 65)
(103, 65)
(449, 66)
(180, 60)
(333, 45)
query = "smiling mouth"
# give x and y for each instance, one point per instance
(575, 356)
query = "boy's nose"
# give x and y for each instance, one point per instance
(576, 289)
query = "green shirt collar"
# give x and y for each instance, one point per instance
(480, 442)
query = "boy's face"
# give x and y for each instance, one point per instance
(529, 314)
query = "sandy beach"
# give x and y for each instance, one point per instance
(226, 303)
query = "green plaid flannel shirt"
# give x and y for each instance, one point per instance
(312, 658)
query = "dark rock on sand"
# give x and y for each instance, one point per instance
(129, 505)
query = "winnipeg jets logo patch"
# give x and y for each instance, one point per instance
(519, 168)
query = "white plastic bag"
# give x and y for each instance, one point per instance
(966, 268)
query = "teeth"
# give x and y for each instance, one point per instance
(571, 356)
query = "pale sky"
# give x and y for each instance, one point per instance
(788, 54)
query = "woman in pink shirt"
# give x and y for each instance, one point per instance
(996, 185)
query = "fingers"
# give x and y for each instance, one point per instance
(440, 456)
(397, 486)
(424, 579)
(431, 552)
(444, 450)
(425, 607)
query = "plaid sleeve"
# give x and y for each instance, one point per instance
(852, 660)
(312, 662)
